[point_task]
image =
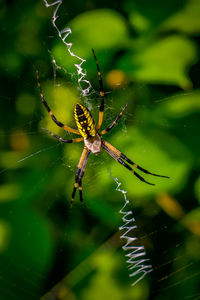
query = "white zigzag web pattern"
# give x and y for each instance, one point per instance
(63, 34)
(138, 265)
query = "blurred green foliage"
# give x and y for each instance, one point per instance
(149, 55)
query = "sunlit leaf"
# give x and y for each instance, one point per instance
(9, 192)
(154, 11)
(192, 221)
(180, 105)
(98, 29)
(193, 215)
(106, 280)
(186, 20)
(163, 62)
(61, 100)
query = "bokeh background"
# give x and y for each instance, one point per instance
(149, 55)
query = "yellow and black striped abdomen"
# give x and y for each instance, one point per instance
(84, 121)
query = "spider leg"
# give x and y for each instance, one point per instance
(65, 127)
(119, 160)
(115, 121)
(80, 178)
(77, 140)
(79, 174)
(140, 168)
(75, 184)
(101, 109)
(123, 156)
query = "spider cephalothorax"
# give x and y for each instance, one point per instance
(91, 135)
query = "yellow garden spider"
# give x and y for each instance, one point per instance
(91, 135)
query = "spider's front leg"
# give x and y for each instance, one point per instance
(115, 121)
(79, 174)
(101, 109)
(54, 119)
(77, 140)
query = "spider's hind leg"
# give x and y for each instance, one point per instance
(77, 140)
(118, 156)
(123, 156)
(115, 121)
(79, 175)
(80, 192)
(75, 185)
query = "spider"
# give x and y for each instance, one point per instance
(92, 137)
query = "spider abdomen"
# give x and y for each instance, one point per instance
(84, 121)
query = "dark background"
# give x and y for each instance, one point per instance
(149, 55)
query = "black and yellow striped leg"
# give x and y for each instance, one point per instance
(78, 170)
(101, 109)
(119, 160)
(140, 168)
(119, 155)
(65, 127)
(77, 140)
(124, 157)
(79, 174)
(114, 122)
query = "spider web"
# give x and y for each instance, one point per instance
(63, 34)
(163, 275)
(137, 264)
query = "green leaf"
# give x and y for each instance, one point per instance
(181, 105)
(9, 192)
(103, 28)
(162, 62)
(155, 11)
(186, 20)
(106, 279)
(99, 29)
(61, 100)
(180, 113)
(193, 215)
